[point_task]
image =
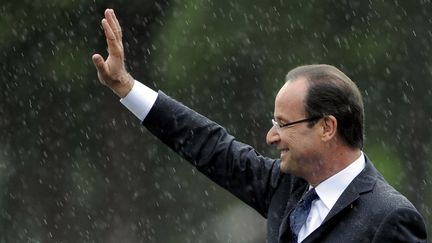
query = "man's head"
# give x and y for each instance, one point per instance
(328, 95)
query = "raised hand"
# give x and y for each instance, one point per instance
(112, 72)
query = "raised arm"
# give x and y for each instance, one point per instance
(112, 71)
(235, 166)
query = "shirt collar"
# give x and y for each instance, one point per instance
(332, 188)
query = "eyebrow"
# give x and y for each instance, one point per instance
(280, 119)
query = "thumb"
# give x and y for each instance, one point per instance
(99, 63)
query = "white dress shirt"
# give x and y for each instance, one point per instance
(140, 101)
(329, 192)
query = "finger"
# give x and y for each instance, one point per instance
(109, 34)
(117, 24)
(113, 23)
(114, 44)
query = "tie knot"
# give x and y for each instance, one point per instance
(310, 196)
(300, 213)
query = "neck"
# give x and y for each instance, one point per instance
(332, 163)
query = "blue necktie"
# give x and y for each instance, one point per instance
(300, 213)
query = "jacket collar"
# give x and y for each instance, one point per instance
(363, 183)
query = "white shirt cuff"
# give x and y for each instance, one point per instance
(140, 100)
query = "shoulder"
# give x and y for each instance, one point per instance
(401, 224)
(393, 216)
(382, 198)
(373, 187)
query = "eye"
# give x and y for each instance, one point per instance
(278, 123)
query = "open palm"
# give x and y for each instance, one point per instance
(112, 72)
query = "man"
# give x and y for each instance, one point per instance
(322, 189)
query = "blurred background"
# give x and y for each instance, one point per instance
(76, 166)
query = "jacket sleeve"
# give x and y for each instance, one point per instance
(233, 165)
(402, 225)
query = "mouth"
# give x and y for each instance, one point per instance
(283, 152)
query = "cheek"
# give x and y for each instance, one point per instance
(288, 139)
(295, 135)
(304, 143)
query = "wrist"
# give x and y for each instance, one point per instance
(125, 86)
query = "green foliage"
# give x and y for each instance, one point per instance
(386, 161)
(74, 164)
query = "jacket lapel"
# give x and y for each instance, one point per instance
(363, 183)
(284, 229)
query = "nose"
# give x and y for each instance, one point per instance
(272, 136)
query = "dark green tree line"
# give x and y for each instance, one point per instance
(75, 166)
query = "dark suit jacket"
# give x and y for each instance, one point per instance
(369, 210)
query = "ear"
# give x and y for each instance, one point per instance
(329, 128)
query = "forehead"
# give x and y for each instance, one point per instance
(289, 102)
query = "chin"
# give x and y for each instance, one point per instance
(285, 167)
(289, 167)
